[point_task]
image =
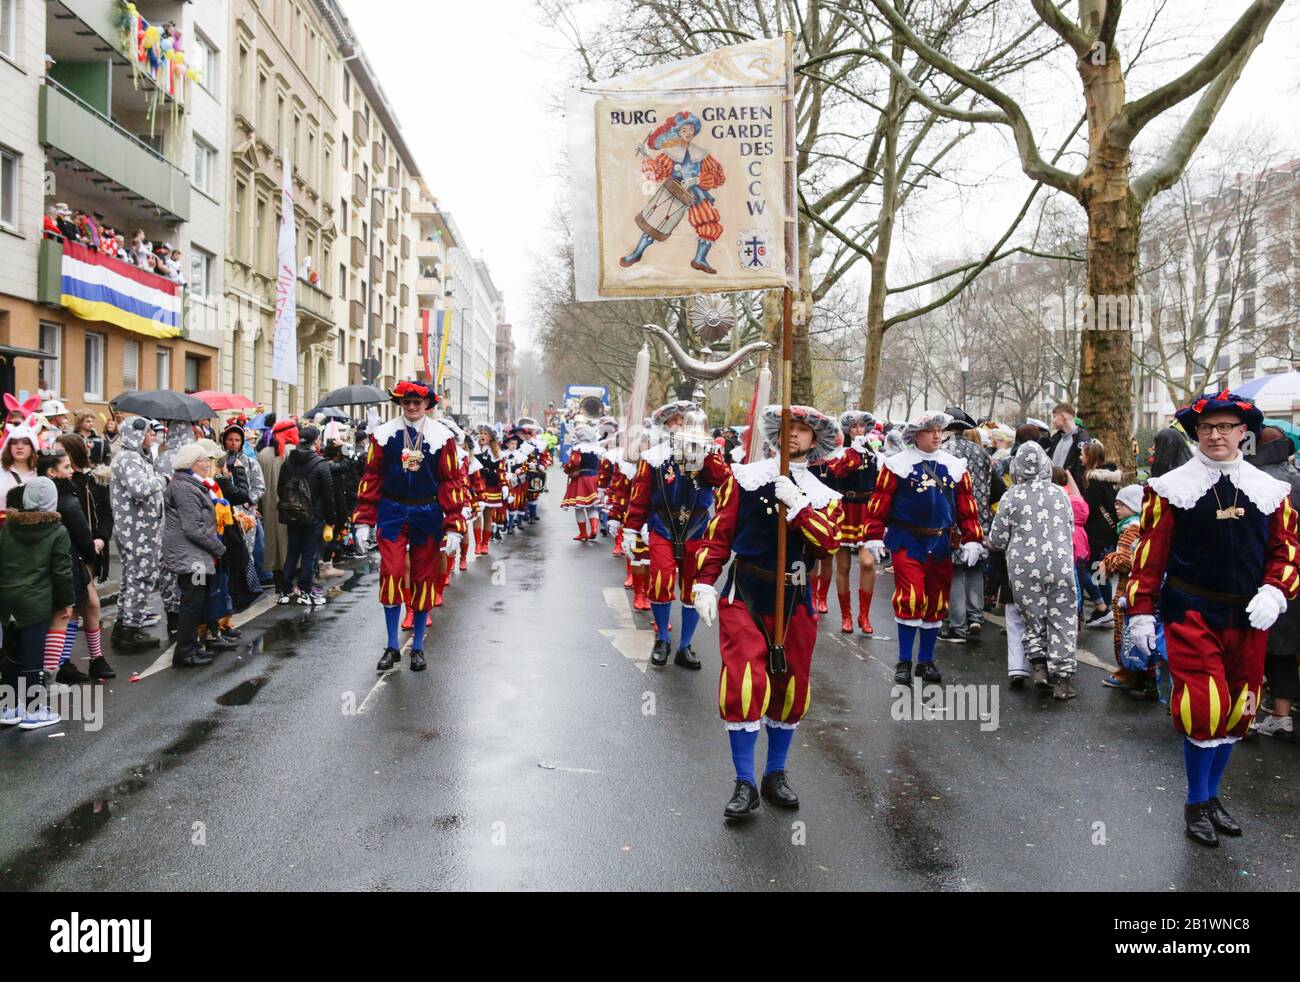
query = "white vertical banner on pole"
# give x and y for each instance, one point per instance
(284, 357)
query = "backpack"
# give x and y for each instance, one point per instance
(295, 505)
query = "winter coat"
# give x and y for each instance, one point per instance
(190, 541)
(93, 495)
(1034, 526)
(1272, 459)
(1073, 458)
(238, 561)
(77, 523)
(98, 449)
(345, 476)
(275, 537)
(1080, 537)
(1098, 490)
(35, 567)
(979, 465)
(306, 462)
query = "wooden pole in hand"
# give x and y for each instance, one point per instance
(776, 658)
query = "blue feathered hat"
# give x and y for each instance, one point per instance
(1224, 402)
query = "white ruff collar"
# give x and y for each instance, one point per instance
(751, 477)
(434, 433)
(905, 460)
(595, 448)
(626, 469)
(1184, 486)
(656, 455)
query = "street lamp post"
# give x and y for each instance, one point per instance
(965, 370)
(383, 191)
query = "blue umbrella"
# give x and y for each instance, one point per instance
(258, 422)
(1282, 387)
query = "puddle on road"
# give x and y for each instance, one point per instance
(244, 693)
(61, 839)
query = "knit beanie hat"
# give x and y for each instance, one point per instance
(39, 494)
(187, 456)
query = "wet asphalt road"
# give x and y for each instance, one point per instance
(539, 751)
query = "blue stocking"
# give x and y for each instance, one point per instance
(1221, 754)
(421, 624)
(906, 637)
(1198, 761)
(743, 743)
(393, 618)
(66, 657)
(929, 635)
(690, 618)
(778, 747)
(662, 614)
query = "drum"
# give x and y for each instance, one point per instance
(536, 479)
(664, 210)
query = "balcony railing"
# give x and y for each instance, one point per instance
(406, 199)
(358, 190)
(392, 231)
(377, 158)
(406, 247)
(71, 125)
(49, 278)
(390, 281)
(405, 300)
(390, 336)
(360, 131)
(358, 252)
(357, 315)
(314, 301)
(376, 213)
(376, 270)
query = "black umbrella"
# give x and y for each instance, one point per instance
(163, 404)
(355, 395)
(329, 412)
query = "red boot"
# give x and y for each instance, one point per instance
(464, 553)
(821, 590)
(408, 622)
(627, 583)
(641, 592)
(864, 612)
(846, 613)
(595, 528)
(618, 546)
(582, 532)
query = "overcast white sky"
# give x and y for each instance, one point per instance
(474, 86)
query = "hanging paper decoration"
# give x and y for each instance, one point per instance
(158, 52)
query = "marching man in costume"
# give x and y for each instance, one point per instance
(637, 557)
(539, 459)
(852, 472)
(412, 494)
(668, 504)
(489, 486)
(583, 467)
(1218, 552)
(746, 525)
(922, 506)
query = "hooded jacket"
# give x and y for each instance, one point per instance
(179, 434)
(1035, 527)
(190, 540)
(136, 487)
(35, 567)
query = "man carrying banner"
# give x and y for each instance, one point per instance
(923, 510)
(411, 491)
(746, 524)
(670, 497)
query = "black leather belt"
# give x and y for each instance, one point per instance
(413, 502)
(916, 529)
(761, 572)
(856, 495)
(1229, 599)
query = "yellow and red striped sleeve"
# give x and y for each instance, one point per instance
(1150, 554)
(1282, 568)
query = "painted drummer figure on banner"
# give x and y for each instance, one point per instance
(686, 174)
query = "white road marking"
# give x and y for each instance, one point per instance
(164, 660)
(383, 679)
(629, 640)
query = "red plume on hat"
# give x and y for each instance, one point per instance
(404, 389)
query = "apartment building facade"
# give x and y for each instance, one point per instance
(84, 123)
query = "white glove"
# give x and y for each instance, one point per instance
(1142, 631)
(860, 444)
(705, 600)
(629, 540)
(971, 553)
(452, 545)
(788, 493)
(614, 526)
(877, 547)
(362, 535)
(1265, 607)
(467, 511)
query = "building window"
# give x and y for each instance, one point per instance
(8, 188)
(201, 265)
(326, 184)
(163, 366)
(343, 282)
(193, 373)
(203, 58)
(279, 124)
(260, 236)
(241, 216)
(205, 167)
(262, 104)
(8, 27)
(94, 390)
(47, 371)
(242, 82)
(130, 365)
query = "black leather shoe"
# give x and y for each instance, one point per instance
(215, 642)
(127, 638)
(659, 656)
(418, 664)
(928, 672)
(1199, 827)
(744, 801)
(686, 658)
(192, 661)
(1224, 822)
(101, 669)
(777, 791)
(903, 673)
(388, 659)
(70, 674)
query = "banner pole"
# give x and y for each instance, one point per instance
(776, 657)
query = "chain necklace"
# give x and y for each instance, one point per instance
(1231, 512)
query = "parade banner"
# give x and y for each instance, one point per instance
(96, 287)
(678, 183)
(284, 355)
